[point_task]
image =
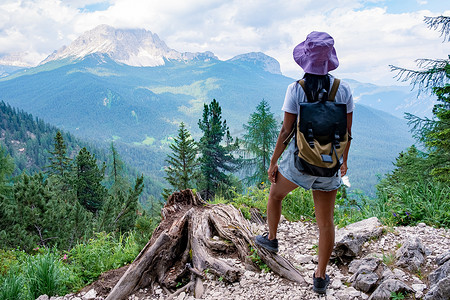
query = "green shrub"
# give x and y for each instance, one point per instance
(102, 253)
(298, 205)
(254, 198)
(43, 274)
(351, 207)
(144, 227)
(12, 287)
(424, 201)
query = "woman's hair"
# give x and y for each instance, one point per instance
(315, 83)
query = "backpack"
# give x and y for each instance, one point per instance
(320, 134)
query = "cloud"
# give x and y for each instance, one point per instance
(368, 38)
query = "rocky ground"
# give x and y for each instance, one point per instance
(298, 243)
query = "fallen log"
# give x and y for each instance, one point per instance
(194, 237)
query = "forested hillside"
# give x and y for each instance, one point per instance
(29, 141)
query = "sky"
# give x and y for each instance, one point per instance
(369, 35)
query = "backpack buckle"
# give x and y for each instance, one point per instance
(310, 137)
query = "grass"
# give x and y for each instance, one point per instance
(426, 201)
(43, 274)
(102, 253)
(389, 259)
(257, 260)
(53, 272)
(12, 287)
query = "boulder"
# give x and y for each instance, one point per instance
(42, 297)
(411, 255)
(369, 263)
(365, 282)
(387, 287)
(443, 258)
(439, 291)
(439, 274)
(91, 294)
(350, 239)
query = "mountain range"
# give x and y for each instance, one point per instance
(128, 86)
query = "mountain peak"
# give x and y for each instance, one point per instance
(134, 47)
(268, 63)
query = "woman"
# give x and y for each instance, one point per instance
(317, 56)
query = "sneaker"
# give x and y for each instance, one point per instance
(263, 241)
(320, 285)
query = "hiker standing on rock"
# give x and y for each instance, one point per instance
(299, 165)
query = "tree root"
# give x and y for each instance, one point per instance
(194, 237)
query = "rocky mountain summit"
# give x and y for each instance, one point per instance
(370, 261)
(134, 47)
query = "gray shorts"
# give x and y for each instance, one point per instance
(287, 168)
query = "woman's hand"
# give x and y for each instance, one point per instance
(344, 168)
(272, 172)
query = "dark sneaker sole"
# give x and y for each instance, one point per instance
(322, 290)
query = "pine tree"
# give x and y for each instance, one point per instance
(119, 212)
(89, 177)
(259, 140)
(215, 159)
(434, 76)
(6, 205)
(182, 163)
(59, 161)
(6, 170)
(28, 227)
(117, 170)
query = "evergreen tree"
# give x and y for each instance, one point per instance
(216, 159)
(90, 191)
(117, 170)
(182, 164)
(6, 169)
(119, 211)
(59, 162)
(28, 227)
(434, 76)
(6, 208)
(259, 140)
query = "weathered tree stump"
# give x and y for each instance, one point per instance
(192, 237)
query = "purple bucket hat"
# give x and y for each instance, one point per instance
(316, 55)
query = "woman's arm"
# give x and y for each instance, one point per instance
(344, 167)
(288, 124)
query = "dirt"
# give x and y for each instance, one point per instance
(106, 282)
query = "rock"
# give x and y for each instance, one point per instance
(418, 287)
(91, 294)
(303, 259)
(440, 273)
(181, 296)
(336, 284)
(387, 273)
(443, 258)
(421, 225)
(399, 273)
(384, 290)
(353, 293)
(439, 291)
(411, 255)
(350, 239)
(369, 264)
(341, 295)
(365, 282)
(43, 297)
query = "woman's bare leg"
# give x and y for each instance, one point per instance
(278, 191)
(324, 210)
